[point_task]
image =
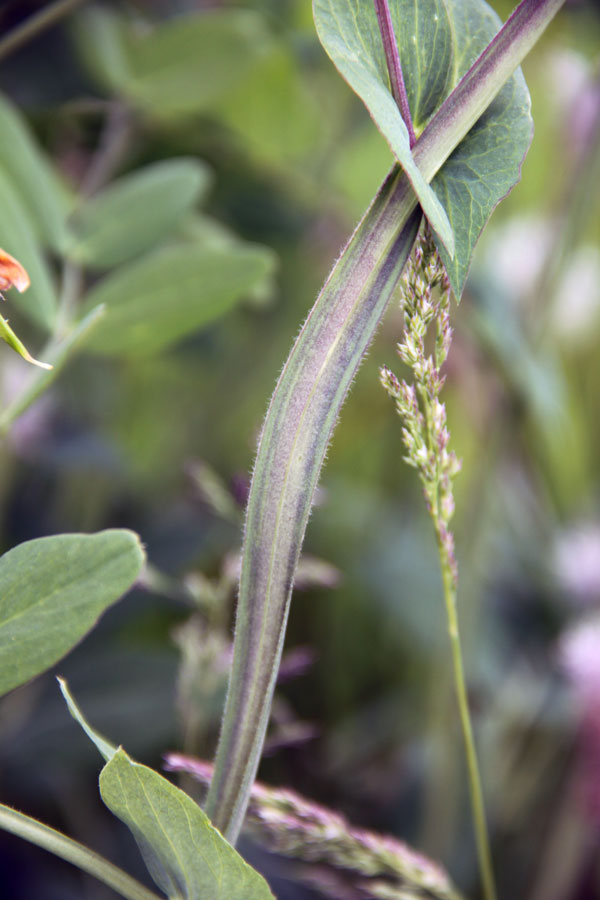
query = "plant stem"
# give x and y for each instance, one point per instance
(299, 423)
(34, 25)
(480, 85)
(85, 859)
(59, 353)
(305, 406)
(475, 789)
(390, 47)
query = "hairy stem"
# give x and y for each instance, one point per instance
(299, 423)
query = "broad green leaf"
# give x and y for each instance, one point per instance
(52, 591)
(487, 163)
(137, 211)
(17, 236)
(157, 301)
(438, 40)
(101, 39)
(186, 856)
(28, 171)
(210, 233)
(181, 67)
(350, 34)
(272, 111)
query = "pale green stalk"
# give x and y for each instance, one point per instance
(448, 571)
(477, 804)
(85, 859)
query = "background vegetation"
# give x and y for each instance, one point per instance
(262, 161)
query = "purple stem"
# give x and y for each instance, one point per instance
(392, 57)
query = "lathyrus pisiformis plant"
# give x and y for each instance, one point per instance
(439, 80)
(441, 85)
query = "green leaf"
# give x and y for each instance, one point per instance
(186, 856)
(100, 37)
(25, 167)
(52, 591)
(486, 165)
(179, 68)
(156, 302)
(17, 236)
(137, 211)
(350, 34)
(104, 747)
(272, 111)
(8, 335)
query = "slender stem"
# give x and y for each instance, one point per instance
(390, 47)
(426, 437)
(35, 24)
(66, 848)
(59, 353)
(114, 142)
(475, 789)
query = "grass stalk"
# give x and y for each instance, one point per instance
(426, 307)
(474, 777)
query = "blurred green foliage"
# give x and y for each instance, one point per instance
(198, 170)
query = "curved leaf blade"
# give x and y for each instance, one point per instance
(186, 856)
(296, 432)
(52, 591)
(184, 853)
(137, 211)
(157, 301)
(350, 35)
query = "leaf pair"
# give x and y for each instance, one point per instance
(437, 42)
(168, 276)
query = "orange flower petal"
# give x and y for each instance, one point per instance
(12, 273)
